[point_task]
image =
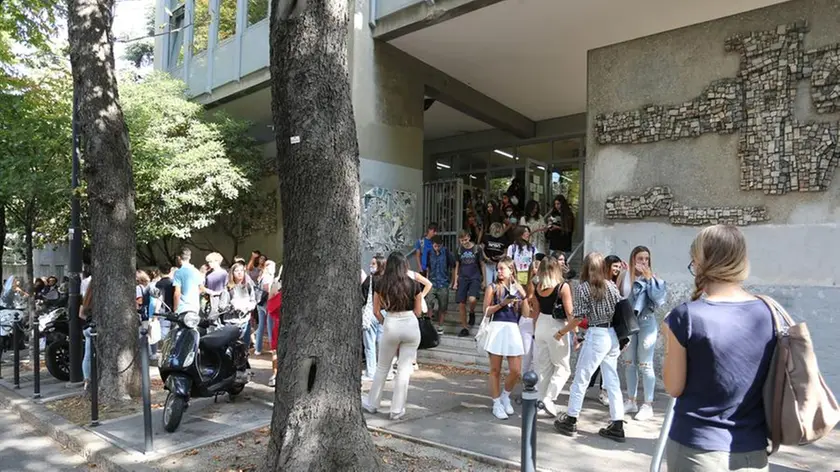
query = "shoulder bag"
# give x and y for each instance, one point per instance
(798, 405)
(484, 328)
(559, 312)
(624, 320)
(429, 336)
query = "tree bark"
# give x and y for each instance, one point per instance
(317, 424)
(2, 237)
(29, 286)
(107, 169)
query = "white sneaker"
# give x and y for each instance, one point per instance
(604, 398)
(396, 416)
(645, 413)
(630, 407)
(272, 381)
(391, 375)
(506, 404)
(550, 407)
(367, 378)
(499, 411)
(367, 406)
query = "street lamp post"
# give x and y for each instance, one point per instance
(74, 301)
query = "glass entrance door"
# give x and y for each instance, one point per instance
(536, 183)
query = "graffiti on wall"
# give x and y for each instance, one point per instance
(387, 219)
(778, 153)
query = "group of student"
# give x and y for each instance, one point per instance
(718, 345)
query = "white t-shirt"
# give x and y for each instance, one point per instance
(522, 257)
(84, 286)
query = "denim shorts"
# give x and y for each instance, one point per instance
(467, 288)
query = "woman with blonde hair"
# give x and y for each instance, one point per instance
(718, 352)
(553, 297)
(503, 303)
(646, 293)
(595, 300)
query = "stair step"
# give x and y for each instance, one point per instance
(453, 357)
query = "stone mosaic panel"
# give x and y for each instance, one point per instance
(387, 219)
(659, 202)
(778, 153)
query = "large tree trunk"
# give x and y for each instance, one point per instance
(29, 286)
(107, 169)
(2, 237)
(317, 423)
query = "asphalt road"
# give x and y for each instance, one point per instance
(23, 449)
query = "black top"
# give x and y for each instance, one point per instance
(548, 303)
(366, 287)
(167, 290)
(418, 287)
(494, 248)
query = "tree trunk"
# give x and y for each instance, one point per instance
(317, 424)
(107, 169)
(2, 238)
(29, 286)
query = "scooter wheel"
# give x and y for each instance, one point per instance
(173, 411)
(57, 358)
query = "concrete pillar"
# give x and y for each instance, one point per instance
(388, 104)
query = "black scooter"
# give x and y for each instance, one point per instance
(194, 364)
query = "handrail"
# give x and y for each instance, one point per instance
(574, 252)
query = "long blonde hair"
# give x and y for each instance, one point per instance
(593, 272)
(550, 274)
(719, 254)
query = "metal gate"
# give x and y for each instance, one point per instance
(443, 203)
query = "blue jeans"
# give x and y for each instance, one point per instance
(86, 359)
(263, 321)
(371, 337)
(490, 272)
(639, 357)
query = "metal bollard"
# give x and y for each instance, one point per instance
(659, 453)
(93, 384)
(36, 367)
(530, 404)
(16, 341)
(146, 386)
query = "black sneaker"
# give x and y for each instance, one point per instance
(472, 319)
(566, 425)
(464, 333)
(614, 431)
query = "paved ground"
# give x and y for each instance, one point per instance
(24, 449)
(454, 409)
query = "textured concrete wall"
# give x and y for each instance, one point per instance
(788, 254)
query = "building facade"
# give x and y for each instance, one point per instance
(652, 117)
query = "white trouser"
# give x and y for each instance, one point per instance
(552, 356)
(526, 329)
(599, 349)
(400, 331)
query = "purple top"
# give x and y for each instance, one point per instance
(728, 347)
(468, 259)
(506, 313)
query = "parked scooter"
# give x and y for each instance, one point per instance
(195, 364)
(12, 317)
(54, 327)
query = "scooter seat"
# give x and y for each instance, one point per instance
(217, 340)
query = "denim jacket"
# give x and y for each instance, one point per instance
(648, 295)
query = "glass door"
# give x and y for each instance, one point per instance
(536, 183)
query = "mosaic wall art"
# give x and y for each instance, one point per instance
(659, 202)
(778, 153)
(387, 219)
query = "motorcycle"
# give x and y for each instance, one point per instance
(54, 327)
(197, 362)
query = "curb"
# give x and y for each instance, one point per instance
(79, 440)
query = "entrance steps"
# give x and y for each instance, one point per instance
(455, 352)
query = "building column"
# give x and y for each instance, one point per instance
(388, 105)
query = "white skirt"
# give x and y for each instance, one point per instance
(504, 339)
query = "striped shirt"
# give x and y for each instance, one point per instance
(596, 311)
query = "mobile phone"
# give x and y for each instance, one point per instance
(511, 299)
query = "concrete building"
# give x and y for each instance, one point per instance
(652, 117)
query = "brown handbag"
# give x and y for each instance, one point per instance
(798, 405)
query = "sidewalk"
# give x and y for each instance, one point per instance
(451, 408)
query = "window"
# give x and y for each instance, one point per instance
(257, 10)
(227, 19)
(176, 36)
(201, 25)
